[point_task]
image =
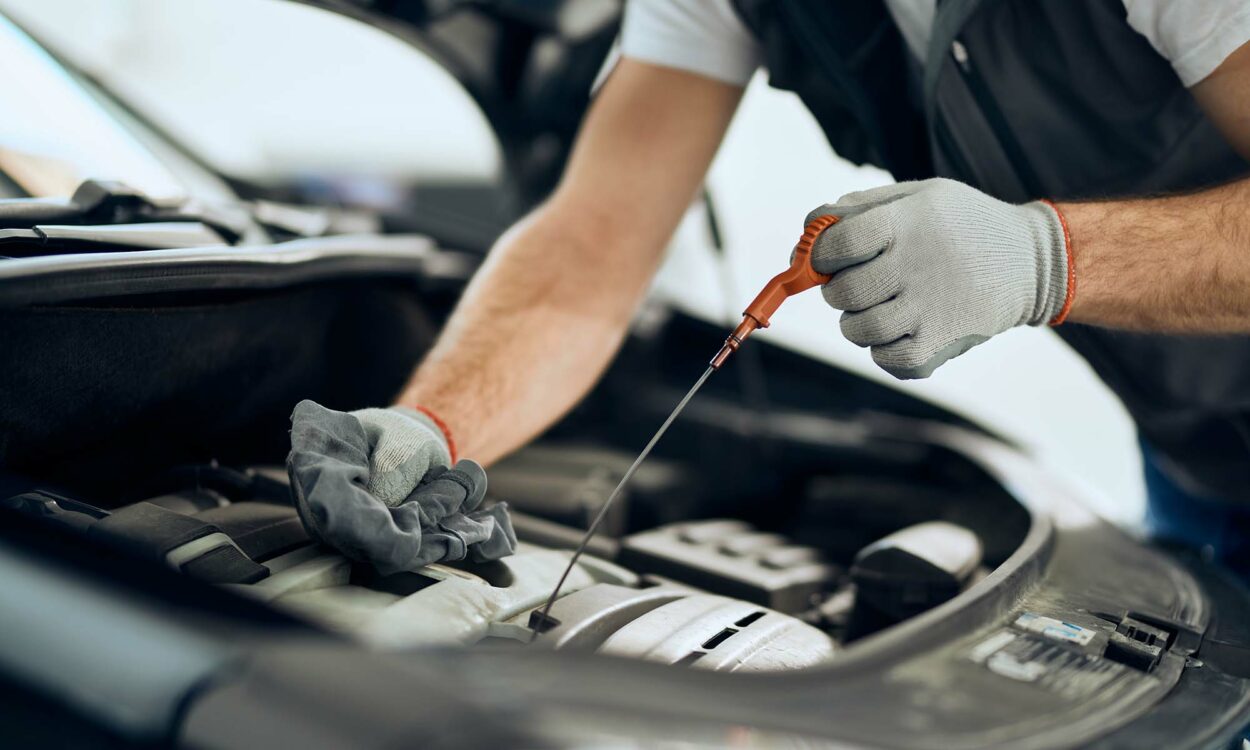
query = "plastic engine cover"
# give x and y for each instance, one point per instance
(721, 634)
(604, 611)
(676, 625)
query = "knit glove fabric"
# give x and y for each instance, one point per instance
(404, 444)
(332, 465)
(927, 270)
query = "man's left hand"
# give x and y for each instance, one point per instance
(927, 270)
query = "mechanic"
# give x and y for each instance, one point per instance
(1132, 116)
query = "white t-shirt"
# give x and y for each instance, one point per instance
(708, 37)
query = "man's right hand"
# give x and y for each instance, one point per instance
(377, 485)
(404, 444)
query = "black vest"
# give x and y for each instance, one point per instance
(1026, 99)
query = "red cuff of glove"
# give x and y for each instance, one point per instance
(438, 421)
(1067, 246)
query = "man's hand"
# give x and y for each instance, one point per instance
(930, 269)
(404, 444)
(533, 331)
(927, 270)
(377, 486)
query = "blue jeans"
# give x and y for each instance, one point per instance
(1220, 529)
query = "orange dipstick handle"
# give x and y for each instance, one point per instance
(799, 277)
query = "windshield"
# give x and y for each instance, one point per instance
(54, 134)
(275, 93)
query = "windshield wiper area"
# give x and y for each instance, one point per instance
(102, 213)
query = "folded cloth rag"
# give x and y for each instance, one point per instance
(441, 518)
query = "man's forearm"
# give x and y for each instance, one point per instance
(1172, 264)
(532, 334)
(542, 318)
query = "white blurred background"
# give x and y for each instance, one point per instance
(269, 90)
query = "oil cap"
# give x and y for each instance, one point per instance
(915, 569)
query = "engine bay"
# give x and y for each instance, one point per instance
(784, 583)
(781, 518)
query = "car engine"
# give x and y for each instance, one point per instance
(702, 592)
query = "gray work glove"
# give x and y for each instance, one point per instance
(403, 445)
(334, 462)
(927, 270)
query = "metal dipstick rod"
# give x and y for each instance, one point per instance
(544, 616)
(798, 277)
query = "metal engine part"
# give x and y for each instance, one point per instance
(437, 606)
(674, 625)
(604, 610)
(721, 634)
(606, 607)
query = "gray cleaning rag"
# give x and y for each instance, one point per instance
(441, 519)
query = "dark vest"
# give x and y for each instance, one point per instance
(1027, 99)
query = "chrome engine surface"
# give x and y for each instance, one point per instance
(606, 609)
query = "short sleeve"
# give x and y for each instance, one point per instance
(697, 36)
(1194, 35)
